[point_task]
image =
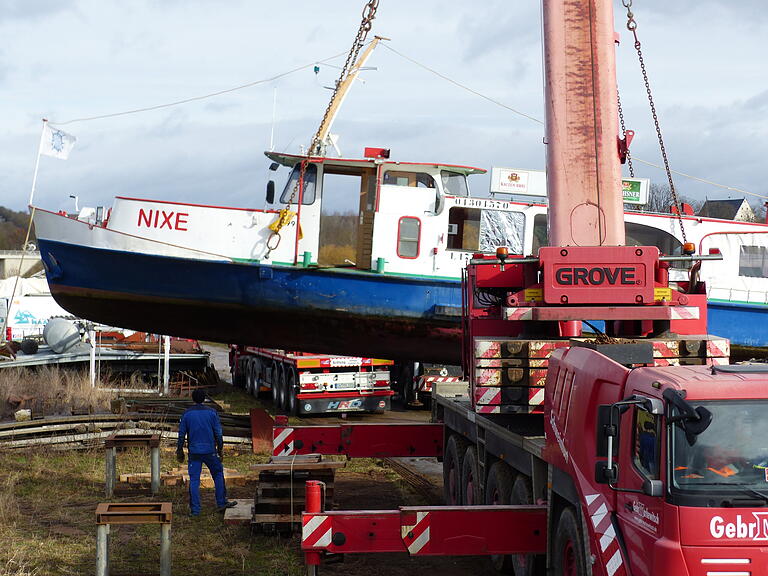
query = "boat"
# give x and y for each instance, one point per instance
(222, 274)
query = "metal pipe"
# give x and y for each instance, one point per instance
(102, 550)
(155, 469)
(165, 549)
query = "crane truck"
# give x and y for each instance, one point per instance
(643, 453)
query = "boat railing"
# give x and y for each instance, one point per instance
(749, 296)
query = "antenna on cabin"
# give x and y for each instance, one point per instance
(274, 110)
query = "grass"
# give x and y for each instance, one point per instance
(47, 523)
(48, 390)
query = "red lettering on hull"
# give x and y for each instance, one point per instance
(172, 220)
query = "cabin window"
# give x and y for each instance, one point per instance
(412, 179)
(408, 234)
(647, 448)
(310, 181)
(636, 235)
(474, 230)
(642, 235)
(753, 261)
(454, 184)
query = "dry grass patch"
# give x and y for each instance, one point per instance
(48, 391)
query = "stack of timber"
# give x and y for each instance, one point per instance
(279, 498)
(510, 373)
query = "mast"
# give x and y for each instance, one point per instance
(583, 169)
(341, 93)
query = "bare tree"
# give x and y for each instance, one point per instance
(660, 199)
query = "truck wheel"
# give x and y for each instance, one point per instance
(257, 378)
(498, 490)
(568, 550)
(273, 384)
(452, 460)
(524, 564)
(290, 393)
(470, 478)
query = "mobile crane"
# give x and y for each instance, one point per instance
(648, 456)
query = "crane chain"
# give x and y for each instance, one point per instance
(624, 134)
(632, 27)
(369, 13)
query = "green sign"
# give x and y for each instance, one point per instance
(635, 190)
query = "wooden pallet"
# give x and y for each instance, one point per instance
(279, 499)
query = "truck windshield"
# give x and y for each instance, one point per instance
(731, 455)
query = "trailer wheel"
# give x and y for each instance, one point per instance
(282, 403)
(290, 393)
(454, 453)
(249, 375)
(257, 378)
(498, 491)
(274, 382)
(524, 564)
(470, 478)
(568, 549)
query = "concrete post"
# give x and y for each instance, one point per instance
(155, 469)
(110, 473)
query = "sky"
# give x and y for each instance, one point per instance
(67, 60)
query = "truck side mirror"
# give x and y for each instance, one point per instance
(274, 166)
(653, 488)
(271, 192)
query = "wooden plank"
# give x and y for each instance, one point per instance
(241, 513)
(276, 518)
(298, 466)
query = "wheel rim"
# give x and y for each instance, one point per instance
(569, 559)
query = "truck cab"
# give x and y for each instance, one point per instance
(673, 479)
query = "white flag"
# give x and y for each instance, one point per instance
(55, 142)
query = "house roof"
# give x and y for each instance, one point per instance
(725, 209)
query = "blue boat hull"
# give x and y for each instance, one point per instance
(742, 324)
(321, 310)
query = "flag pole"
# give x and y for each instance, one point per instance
(37, 163)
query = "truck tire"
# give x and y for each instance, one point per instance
(452, 460)
(568, 554)
(290, 392)
(498, 490)
(470, 478)
(525, 564)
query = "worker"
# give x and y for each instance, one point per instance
(201, 426)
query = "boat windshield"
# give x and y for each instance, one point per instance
(310, 178)
(454, 184)
(730, 456)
